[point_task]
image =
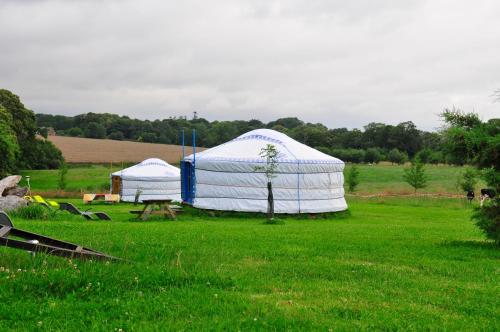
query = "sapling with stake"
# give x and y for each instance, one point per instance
(270, 153)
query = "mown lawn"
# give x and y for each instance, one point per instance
(407, 264)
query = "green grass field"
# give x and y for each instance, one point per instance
(379, 179)
(396, 263)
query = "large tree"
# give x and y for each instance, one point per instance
(34, 152)
(9, 149)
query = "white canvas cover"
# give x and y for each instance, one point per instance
(154, 177)
(307, 180)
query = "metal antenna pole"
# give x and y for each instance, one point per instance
(194, 145)
(29, 186)
(183, 147)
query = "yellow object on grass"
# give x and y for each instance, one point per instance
(40, 200)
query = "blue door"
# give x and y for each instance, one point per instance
(187, 182)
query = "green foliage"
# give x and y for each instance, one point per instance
(397, 157)
(95, 130)
(31, 212)
(415, 176)
(117, 136)
(24, 124)
(468, 179)
(424, 156)
(9, 149)
(436, 157)
(487, 218)
(270, 153)
(44, 132)
(62, 181)
(352, 178)
(33, 153)
(349, 155)
(40, 154)
(405, 136)
(476, 142)
(373, 156)
(75, 132)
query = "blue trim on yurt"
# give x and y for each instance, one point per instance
(188, 174)
(187, 182)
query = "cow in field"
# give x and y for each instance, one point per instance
(487, 193)
(470, 195)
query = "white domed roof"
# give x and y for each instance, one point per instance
(152, 168)
(153, 161)
(247, 147)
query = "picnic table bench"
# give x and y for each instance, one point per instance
(163, 206)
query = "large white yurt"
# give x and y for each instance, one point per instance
(154, 178)
(226, 178)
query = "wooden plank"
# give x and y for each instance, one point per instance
(4, 231)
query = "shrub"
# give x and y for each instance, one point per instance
(415, 176)
(75, 132)
(487, 218)
(349, 155)
(32, 211)
(468, 180)
(41, 154)
(423, 156)
(324, 149)
(373, 155)
(117, 136)
(397, 157)
(436, 157)
(352, 178)
(95, 130)
(63, 171)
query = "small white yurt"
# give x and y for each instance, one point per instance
(153, 178)
(225, 177)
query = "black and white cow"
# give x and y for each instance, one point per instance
(487, 193)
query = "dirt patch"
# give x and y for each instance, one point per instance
(102, 151)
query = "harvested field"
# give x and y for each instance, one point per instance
(98, 151)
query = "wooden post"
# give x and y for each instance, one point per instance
(270, 201)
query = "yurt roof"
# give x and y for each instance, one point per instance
(149, 168)
(246, 148)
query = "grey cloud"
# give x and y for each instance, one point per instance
(336, 62)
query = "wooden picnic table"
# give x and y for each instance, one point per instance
(163, 208)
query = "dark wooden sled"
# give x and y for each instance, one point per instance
(16, 238)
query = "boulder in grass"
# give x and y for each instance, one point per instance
(17, 191)
(9, 203)
(9, 182)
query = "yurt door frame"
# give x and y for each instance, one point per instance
(116, 184)
(187, 182)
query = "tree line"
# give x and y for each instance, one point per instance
(20, 146)
(375, 142)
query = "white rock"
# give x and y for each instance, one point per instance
(11, 203)
(9, 182)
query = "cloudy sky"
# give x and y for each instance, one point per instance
(341, 63)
